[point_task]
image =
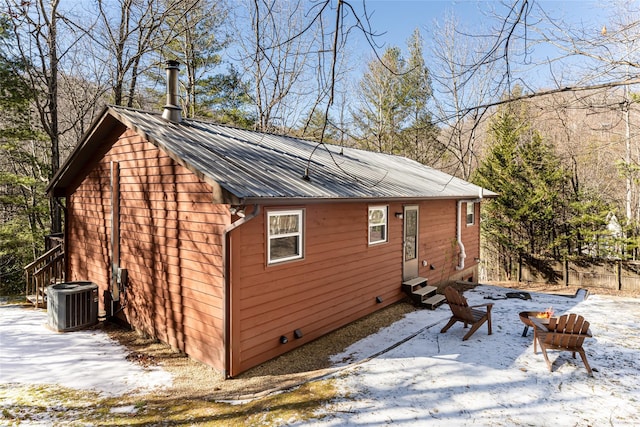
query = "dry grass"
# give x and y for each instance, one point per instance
(296, 367)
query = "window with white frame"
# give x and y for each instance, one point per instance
(284, 232)
(471, 211)
(377, 224)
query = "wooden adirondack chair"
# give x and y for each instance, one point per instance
(565, 333)
(469, 315)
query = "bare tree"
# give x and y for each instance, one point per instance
(605, 54)
(277, 57)
(35, 26)
(129, 33)
(295, 55)
(587, 58)
(461, 98)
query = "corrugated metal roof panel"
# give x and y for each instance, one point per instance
(254, 165)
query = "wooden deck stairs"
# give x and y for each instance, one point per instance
(47, 270)
(422, 294)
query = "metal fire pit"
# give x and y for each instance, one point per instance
(524, 318)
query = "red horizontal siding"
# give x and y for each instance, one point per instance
(171, 244)
(336, 282)
(339, 278)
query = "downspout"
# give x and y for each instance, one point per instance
(463, 254)
(65, 214)
(227, 285)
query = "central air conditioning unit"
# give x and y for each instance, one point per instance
(72, 306)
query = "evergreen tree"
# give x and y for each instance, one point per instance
(23, 173)
(318, 125)
(393, 115)
(383, 108)
(420, 135)
(523, 169)
(586, 231)
(195, 37)
(228, 99)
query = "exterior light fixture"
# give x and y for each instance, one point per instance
(399, 215)
(379, 300)
(283, 340)
(297, 333)
(237, 210)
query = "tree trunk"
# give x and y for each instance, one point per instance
(56, 213)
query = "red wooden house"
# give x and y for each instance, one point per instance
(236, 246)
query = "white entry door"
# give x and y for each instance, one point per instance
(410, 243)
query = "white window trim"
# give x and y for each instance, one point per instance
(385, 209)
(472, 206)
(299, 234)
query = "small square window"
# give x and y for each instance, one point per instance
(377, 224)
(471, 211)
(284, 236)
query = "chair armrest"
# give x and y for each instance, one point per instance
(545, 328)
(538, 324)
(488, 305)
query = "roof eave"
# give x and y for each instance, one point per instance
(279, 201)
(110, 121)
(62, 178)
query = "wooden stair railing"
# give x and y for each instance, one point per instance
(47, 270)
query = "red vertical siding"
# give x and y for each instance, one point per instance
(171, 244)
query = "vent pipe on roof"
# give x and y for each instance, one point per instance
(172, 110)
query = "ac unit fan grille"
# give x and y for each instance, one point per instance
(78, 311)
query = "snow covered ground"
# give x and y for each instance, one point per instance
(30, 353)
(437, 379)
(429, 379)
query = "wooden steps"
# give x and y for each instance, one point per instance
(434, 302)
(423, 294)
(38, 300)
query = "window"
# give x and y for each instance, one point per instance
(284, 236)
(471, 210)
(377, 224)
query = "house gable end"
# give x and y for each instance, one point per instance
(99, 139)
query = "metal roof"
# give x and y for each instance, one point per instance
(258, 167)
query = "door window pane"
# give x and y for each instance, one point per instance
(410, 234)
